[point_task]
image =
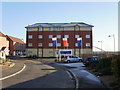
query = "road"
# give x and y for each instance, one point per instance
(39, 75)
(52, 75)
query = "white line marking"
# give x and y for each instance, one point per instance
(14, 73)
(76, 80)
(69, 74)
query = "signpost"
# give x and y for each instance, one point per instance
(64, 53)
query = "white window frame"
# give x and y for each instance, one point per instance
(50, 36)
(76, 44)
(77, 36)
(40, 28)
(88, 28)
(58, 36)
(77, 28)
(87, 44)
(51, 28)
(40, 44)
(50, 44)
(66, 36)
(30, 44)
(58, 44)
(30, 36)
(30, 29)
(66, 28)
(40, 36)
(58, 28)
(87, 36)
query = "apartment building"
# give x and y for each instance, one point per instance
(39, 38)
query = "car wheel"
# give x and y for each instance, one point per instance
(68, 61)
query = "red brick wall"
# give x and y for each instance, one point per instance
(45, 40)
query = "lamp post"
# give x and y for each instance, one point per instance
(113, 39)
(101, 45)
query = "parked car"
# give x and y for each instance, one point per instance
(87, 61)
(71, 58)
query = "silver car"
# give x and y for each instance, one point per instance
(69, 59)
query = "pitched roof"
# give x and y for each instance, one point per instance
(60, 24)
(1, 34)
(14, 39)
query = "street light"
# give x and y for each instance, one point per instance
(101, 45)
(113, 39)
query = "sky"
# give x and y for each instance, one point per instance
(102, 15)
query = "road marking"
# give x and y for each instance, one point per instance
(14, 73)
(76, 79)
(69, 74)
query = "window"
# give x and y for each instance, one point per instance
(39, 44)
(50, 36)
(88, 28)
(87, 36)
(51, 29)
(39, 36)
(66, 28)
(77, 36)
(66, 36)
(58, 36)
(40, 28)
(50, 52)
(50, 44)
(30, 29)
(30, 36)
(87, 44)
(30, 44)
(58, 44)
(58, 28)
(77, 28)
(76, 44)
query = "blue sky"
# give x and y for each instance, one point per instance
(103, 15)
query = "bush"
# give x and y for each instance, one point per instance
(116, 67)
(104, 66)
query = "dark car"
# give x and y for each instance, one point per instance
(87, 61)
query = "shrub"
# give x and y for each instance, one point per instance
(116, 67)
(104, 66)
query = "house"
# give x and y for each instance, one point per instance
(4, 46)
(39, 38)
(16, 46)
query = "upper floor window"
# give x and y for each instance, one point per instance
(50, 36)
(65, 28)
(30, 44)
(40, 28)
(39, 36)
(51, 29)
(76, 44)
(39, 44)
(66, 36)
(30, 29)
(88, 28)
(58, 28)
(58, 36)
(58, 44)
(77, 36)
(77, 28)
(30, 36)
(87, 44)
(87, 36)
(50, 44)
